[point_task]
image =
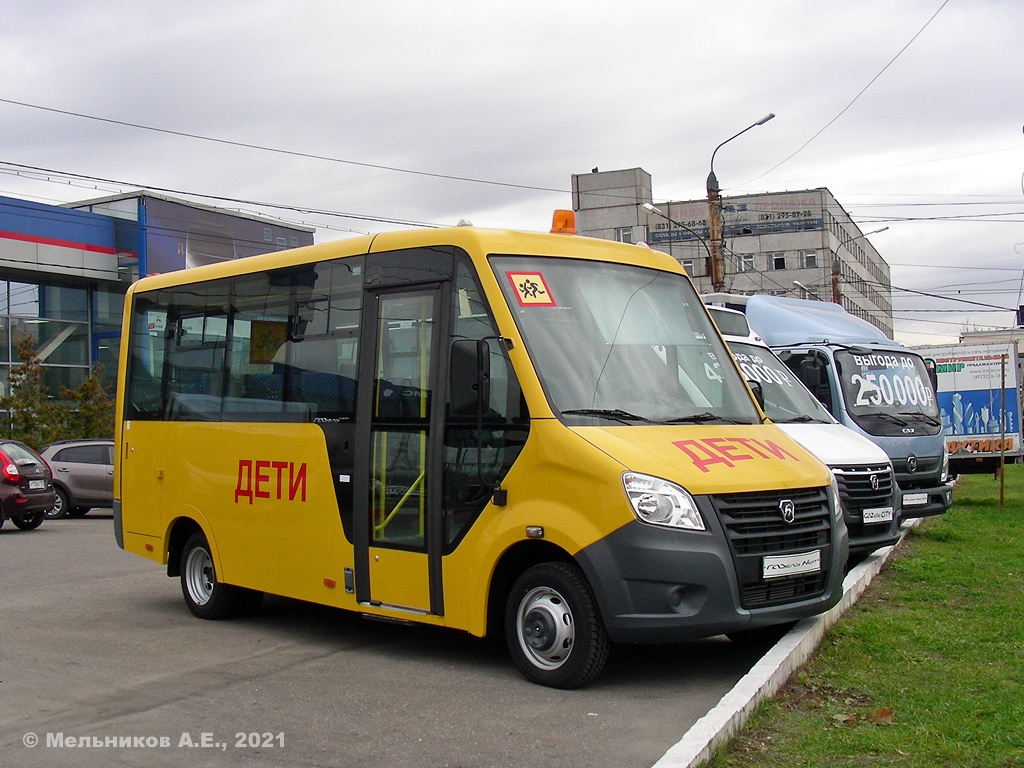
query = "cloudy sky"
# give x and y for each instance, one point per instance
(366, 116)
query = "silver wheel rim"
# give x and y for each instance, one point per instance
(58, 505)
(545, 628)
(199, 575)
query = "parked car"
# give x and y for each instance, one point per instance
(83, 475)
(26, 486)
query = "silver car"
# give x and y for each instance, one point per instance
(83, 475)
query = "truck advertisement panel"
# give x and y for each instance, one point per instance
(978, 399)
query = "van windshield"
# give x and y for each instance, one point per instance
(888, 392)
(786, 399)
(621, 344)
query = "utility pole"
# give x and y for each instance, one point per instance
(715, 234)
(715, 212)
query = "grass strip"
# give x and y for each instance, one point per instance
(927, 669)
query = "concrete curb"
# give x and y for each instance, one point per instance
(768, 675)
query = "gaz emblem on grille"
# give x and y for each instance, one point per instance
(874, 482)
(788, 510)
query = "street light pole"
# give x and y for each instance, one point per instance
(715, 211)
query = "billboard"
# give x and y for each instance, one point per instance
(978, 397)
(750, 215)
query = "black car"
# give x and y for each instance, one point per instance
(26, 486)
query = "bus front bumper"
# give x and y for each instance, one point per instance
(658, 585)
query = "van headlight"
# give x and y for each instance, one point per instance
(837, 503)
(660, 502)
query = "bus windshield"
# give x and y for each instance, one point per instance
(786, 399)
(888, 392)
(620, 344)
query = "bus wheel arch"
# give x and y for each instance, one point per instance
(206, 596)
(549, 616)
(510, 567)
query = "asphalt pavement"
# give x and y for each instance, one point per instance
(101, 664)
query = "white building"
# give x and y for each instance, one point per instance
(784, 243)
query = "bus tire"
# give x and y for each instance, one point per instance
(205, 596)
(553, 627)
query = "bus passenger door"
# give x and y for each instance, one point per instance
(397, 482)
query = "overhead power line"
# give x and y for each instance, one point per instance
(278, 150)
(223, 199)
(854, 99)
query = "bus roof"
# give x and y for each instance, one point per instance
(470, 239)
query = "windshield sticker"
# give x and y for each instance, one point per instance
(757, 368)
(730, 450)
(891, 388)
(531, 290)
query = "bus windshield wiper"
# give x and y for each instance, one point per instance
(616, 414)
(803, 418)
(697, 418)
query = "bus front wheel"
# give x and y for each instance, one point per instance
(205, 596)
(553, 627)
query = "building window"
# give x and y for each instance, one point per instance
(745, 262)
(624, 235)
(688, 265)
(777, 259)
(808, 259)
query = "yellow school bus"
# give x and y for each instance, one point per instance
(541, 435)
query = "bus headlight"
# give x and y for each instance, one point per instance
(660, 502)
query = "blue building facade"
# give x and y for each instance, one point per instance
(64, 270)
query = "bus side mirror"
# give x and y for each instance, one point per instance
(470, 377)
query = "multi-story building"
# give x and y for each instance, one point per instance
(785, 243)
(64, 270)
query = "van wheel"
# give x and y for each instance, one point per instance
(553, 628)
(30, 521)
(206, 597)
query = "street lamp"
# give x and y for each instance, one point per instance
(808, 293)
(715, 211)
(657, 211)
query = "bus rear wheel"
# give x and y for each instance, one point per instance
(553, 627)
(205, 596)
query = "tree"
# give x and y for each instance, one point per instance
(36, 418)
(90, 410)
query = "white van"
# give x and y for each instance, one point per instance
(862, 469)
